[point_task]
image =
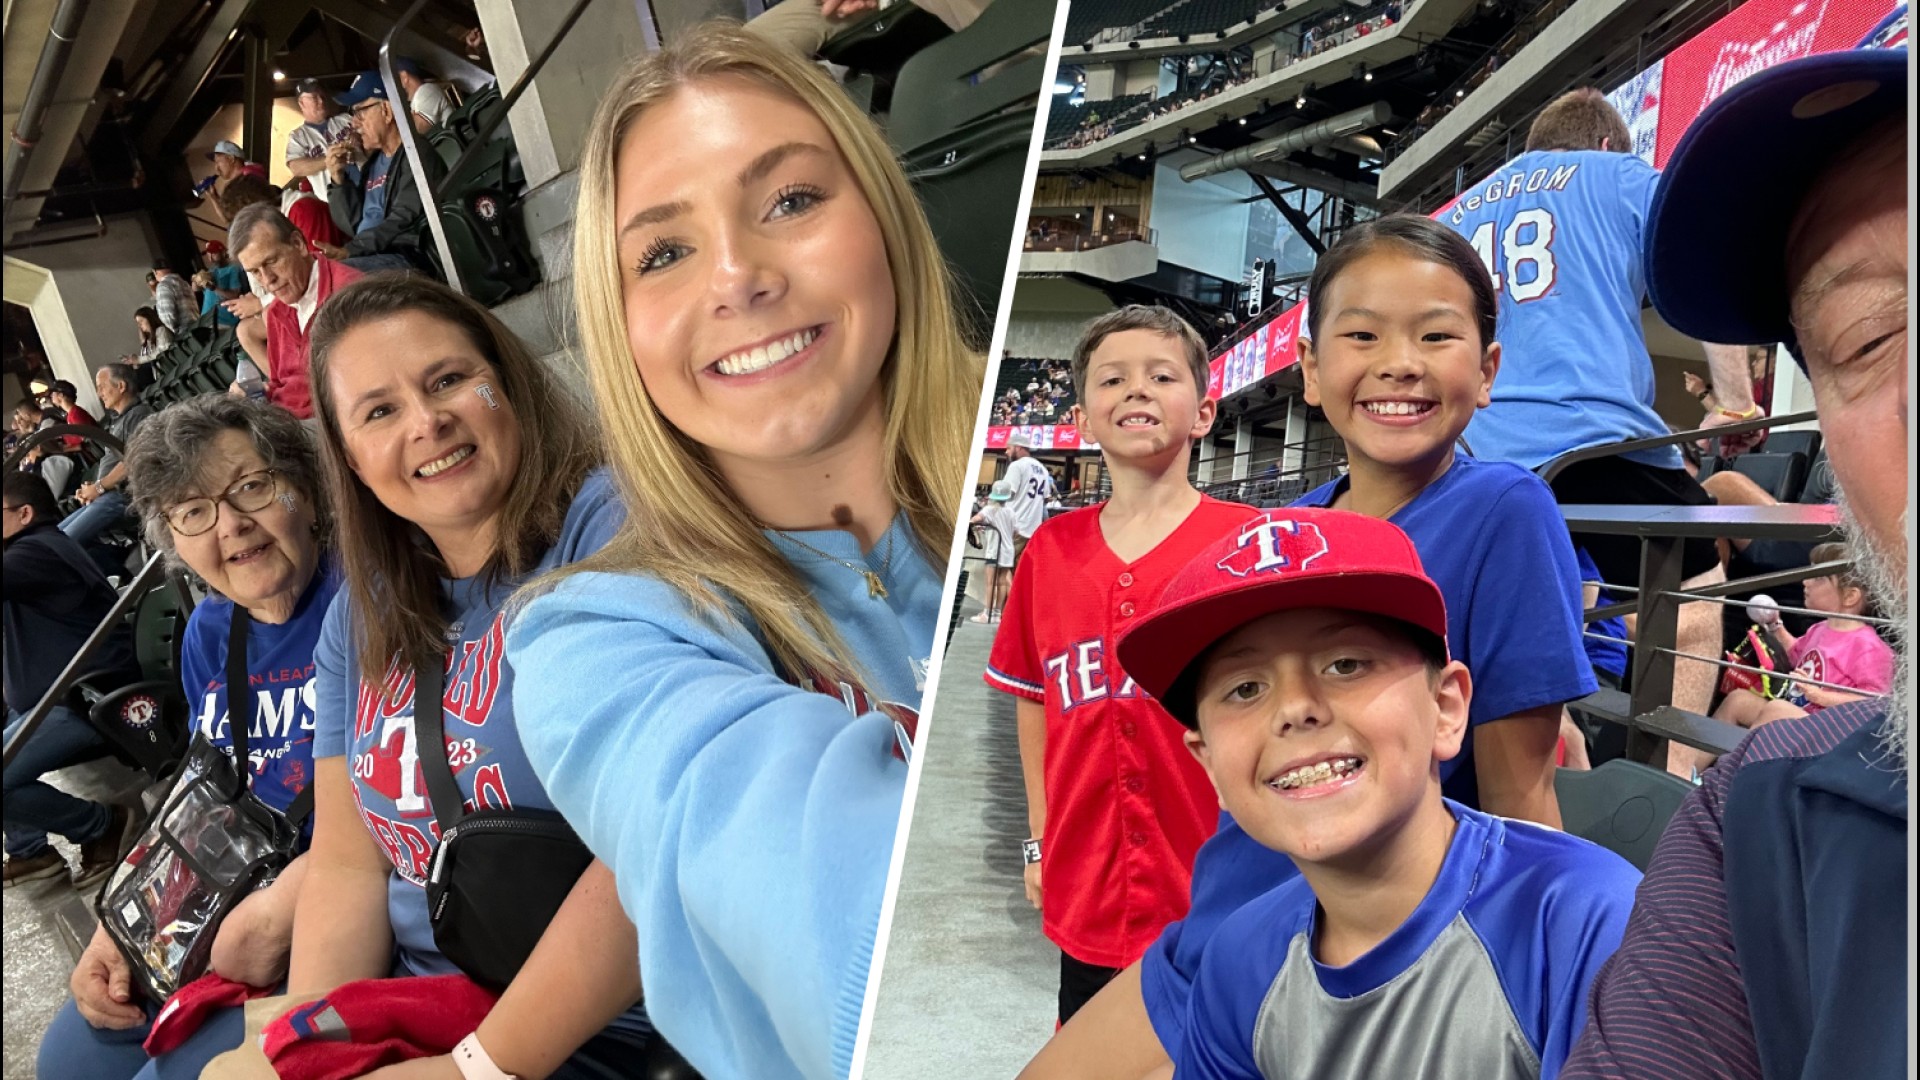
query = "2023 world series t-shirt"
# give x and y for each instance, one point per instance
(368, 719)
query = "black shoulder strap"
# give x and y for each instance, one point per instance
(301, 807)
(430, 742)
(239, 694)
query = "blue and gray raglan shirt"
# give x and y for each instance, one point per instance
(1486, 980)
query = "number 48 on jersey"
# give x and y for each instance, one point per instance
(1524, 252)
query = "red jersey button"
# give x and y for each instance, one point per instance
(1126, 608)
(1138, 839)
(1134, 783)
(1126, 580)
(1126, 728)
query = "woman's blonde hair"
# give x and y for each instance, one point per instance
(392, 569)
(686, 526)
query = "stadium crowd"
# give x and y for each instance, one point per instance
(1294, 44)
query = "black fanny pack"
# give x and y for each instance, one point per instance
(498, 876)
(213, 844)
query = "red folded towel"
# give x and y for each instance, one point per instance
(364, 1025)
(190, 1006)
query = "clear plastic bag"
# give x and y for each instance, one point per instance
(211, 844)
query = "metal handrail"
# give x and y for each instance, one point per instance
(1760, 423)
(61, 431)
(430, 199)
(76, 667)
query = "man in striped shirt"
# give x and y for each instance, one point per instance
(1770, 937)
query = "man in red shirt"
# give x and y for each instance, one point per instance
(275, 252)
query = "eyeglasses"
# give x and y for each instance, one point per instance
(249, 493)
(365, 105)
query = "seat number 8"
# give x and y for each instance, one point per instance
(1528, 260)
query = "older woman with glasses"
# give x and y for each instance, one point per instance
(230, 489)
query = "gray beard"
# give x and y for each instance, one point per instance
(1885, 576)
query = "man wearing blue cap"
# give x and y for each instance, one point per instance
(382, 213)
(1770, 937)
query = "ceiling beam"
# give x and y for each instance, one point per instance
(193, 74)
(1287, 210)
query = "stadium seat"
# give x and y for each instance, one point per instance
(1794, 442)
(964, 137)
(1621, 805)
(1779, 475)
(480, 206)
(875, 46)
(147, 722)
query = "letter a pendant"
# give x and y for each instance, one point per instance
(875, 590)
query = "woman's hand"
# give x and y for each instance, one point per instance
(433, 1068)
(243, 307)
(102, 986)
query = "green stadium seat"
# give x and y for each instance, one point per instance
(1621, 805)
(961, 119)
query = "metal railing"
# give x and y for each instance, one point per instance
(429, 197)
(1088, 241)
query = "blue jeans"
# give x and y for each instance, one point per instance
(384, 260)
(32, 808)
(73, 1049)
(103, 513)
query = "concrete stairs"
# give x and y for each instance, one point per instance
(543, 318)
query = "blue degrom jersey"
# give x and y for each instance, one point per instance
(1486, 980)
(1561, 231)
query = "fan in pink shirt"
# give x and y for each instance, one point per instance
(1841, 651)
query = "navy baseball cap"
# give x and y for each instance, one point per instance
(1717, 233)
(1281, 560)
(366, 86)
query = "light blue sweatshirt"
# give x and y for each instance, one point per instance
(749, 821)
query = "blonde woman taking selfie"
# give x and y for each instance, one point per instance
(724, 691)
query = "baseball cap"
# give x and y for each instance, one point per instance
(309, 86)
(1717, 232)
(214, 247)
(1279, 561)
(1002, 491)
(227, 146)
(1021, 440)
(366, 86)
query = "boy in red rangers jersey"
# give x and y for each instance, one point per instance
(1116, 806)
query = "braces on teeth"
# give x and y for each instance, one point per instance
(1308, 775)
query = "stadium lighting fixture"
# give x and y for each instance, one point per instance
(1360, 72)
(1460, 93)
(1062, 88)
(1243, 121)
(279, 76)
(1300, 102)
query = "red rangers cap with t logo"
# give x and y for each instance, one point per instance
(1279, 561)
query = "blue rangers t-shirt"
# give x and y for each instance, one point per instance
(281, 677)
(1561, 231)
(371, 724)
(1491, 537)
(1486, 980)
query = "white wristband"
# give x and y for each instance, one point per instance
(474, 1062)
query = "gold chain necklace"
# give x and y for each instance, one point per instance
(876, 589)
